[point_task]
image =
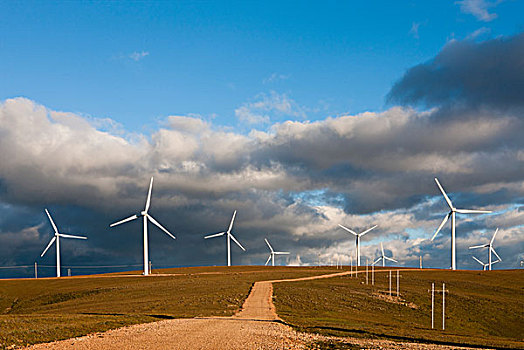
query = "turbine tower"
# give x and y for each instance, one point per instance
(273, 253)
(383, 257)
(452, 215)
(358, 235)
(229, 237)
(56, 238)
(484, 266)
(490, 250)
(146, 216)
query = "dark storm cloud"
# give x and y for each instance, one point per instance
(292, 184)
(486, 74)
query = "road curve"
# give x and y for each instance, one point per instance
(255, 326)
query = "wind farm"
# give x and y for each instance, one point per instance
(187, 175)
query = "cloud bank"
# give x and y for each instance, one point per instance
(292, 182)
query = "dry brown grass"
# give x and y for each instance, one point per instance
(34, 311)
(482, 308)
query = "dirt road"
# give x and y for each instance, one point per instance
(256, 326)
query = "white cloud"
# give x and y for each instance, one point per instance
(268, 107)
(414, 29)
(477, 33)
(275, 77)
(138, 55)
(379, 166)
(479, 9)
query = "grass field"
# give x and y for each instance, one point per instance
(482, 308)
(35, 311)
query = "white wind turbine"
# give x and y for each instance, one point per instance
(484, 266)
(383, 257)
(229, 237)
(146, 216)
(452, 214)
(358, 235)
(273, 253)
(56, 238)
(490, 250)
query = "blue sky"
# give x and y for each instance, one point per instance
(299, 116)
(138, 62)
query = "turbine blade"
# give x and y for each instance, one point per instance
(472, 211)
(493, 238)
(49, 245)
(479, 246)
(494, 262)
(237, 242)
(369, 229)
(382, 248)
(390, 259)
(444, 194)
(494, 252)
(71, 236)
(133, 217)
(441, 225)
(376, 261)
(269, 245)
(152, 219)
(282, 253)
(232, 221)
(347, 229)
(480, 262)
(52, 222)
(148, 200)
(214, 235)
(268, 260)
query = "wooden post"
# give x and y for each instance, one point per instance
(432, 305)
(150, 268)
(389, 282)
(36, 270)
(443, 306)
(373, 275)
(398, 279)
(366, 270)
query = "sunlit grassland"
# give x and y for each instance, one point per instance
(482, 308)
(42, 310)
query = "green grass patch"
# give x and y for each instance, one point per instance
(482, 308)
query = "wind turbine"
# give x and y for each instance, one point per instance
(383, 257)
(229, 237)
(56, 238)
(452, 214)
(485, 265)
(490, 246)
(146, 216)
(273, 253)
(358, 235)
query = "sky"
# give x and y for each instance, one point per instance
(299, 117)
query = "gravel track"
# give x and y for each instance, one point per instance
(256, 326)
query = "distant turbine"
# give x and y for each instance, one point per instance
(491, 249)
(358, 235)
(229, 237)
(146, 216)
(383, 257)
(273, 253)
(56, 238)
(452, 214)
(484, 266)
